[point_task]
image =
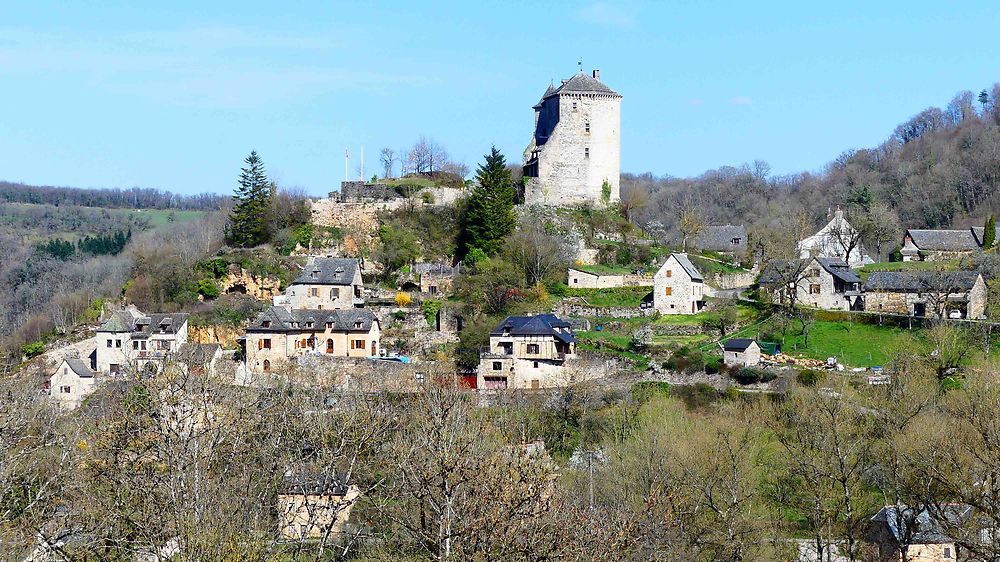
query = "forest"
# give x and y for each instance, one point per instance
(111, 198)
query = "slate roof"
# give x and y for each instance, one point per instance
(689, 267)
(582, 83)
(434, 269)
(283, 320)
(927, 530)
(719, 238)
(548, 92)
(328, 271)
(916, 281)
(143, 326)
(80, 367)
(944, 240)
(979, 231)
(315, 484)
(839, 269)
(538, 325)
(737, 344)
(198, 353)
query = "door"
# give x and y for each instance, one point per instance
(374, 349)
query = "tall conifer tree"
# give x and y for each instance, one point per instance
(990, 233)
(248, 225)
(490, 218)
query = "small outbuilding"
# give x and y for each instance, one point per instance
(71, 382)
(744, 352)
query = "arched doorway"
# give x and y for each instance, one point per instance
(329, 345)
(374, 350)
(267, 366)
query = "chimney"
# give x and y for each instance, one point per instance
(597, 74)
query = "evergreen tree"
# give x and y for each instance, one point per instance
(489, 217)
(248, 225)
(990, 234)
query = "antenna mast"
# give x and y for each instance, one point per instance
(347, 165)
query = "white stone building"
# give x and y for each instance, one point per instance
(131, 339)
(833, 241)
(678, 287)
(581, 279)
(527, 352)
(71, 382)
(744, 352)
(326, 283)
(576, 147)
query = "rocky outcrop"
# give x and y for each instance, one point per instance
(239, 280)
(222, 334)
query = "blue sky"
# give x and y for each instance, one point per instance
(174, 95)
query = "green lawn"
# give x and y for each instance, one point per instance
(853, 344)
(708, 267)
(619, 296)
(161, 217)
(602, 269)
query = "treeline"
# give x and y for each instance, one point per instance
(938, 169)
(100, 245)
(49, 219)
(132, 198)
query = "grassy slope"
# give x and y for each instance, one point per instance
(856, 345)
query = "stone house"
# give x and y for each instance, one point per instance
(435, 278)
(832, 241)
(941, 294)
(581, 279)
(200, 358)
(576, 146)
(71, 382)
(830, 284)
(133, 340)
(313, 505)
(725, 239)
(743, 352)
(327, 283)
(678, 287)
(897, 528)
(931, 245)
(527, 352)
(279, 334)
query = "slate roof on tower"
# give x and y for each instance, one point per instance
(538, 325)
(328, 271)
(582, 84)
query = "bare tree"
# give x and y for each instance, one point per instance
(633, 198)
(387, 157)
(690, 223)
(538, 253)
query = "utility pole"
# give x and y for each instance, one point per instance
(347, 165)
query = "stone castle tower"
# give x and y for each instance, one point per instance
(576, 146)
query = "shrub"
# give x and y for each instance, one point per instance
(430, 308)
(810, 377)
(697, 396)
(207, 288)
(33, 349)
(714, 365)
(751, 375)
(557, 288)
(403, 299)
(399, 315)
(644, 391)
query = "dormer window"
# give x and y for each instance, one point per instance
(357, 325)
(586, 152)
(309, 324)
(314, 273)
(265, 324)
(329, 325)
(574, 106)
(736, 241)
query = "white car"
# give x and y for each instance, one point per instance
(955, 314)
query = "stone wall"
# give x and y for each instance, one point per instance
(571, 309)
(733, 280)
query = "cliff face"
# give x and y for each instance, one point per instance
(221, 334)
(239, 280)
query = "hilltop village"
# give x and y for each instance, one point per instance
(442, 364)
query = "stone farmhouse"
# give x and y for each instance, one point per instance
(827, 283)
(315, 505)
(832, 241)
(895, 528)
(326, 283)
(950, 294)
(133, 340)
(280, 334)
(678, 287)
(71, 382)
(726, 239)
(580, 279)
(743, 352)
(932, 245)
(576, 146)
(527, 352)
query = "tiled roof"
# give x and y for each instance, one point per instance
(943, 240)
(979, 231)
(538, 325)
(720, 238)
(198, 353)
(737, 344)
(328, 271)
(689, 267)
(918, 281)
(839, 269)
(434, 269)
(581, 83)
(281, 319)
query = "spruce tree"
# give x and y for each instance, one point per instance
(248, 225)
(489, 218)
(990, 234)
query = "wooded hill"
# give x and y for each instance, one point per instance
(113, 198)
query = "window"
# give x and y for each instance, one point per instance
(535, 384)
(266, 342)
(304, 343)
(574, 106)
(670, 273)
(668, 291)
(586, 152)
(357, 344)
(114, 368)
(109, 343)
(142, 345)
(267, 366)
(497, 365)
(65, 389)
(535, 365)
(575, 280)
(329, 346)
(533, 348)
(334, 293)
(314, 291)
(586, 127)
(265, 324)
(814, 289)
(309, 324)
(433, 289)
(118, 343)
(357, 325)
(65, 370)
(329, 325)
(947, 552)
(736, 241)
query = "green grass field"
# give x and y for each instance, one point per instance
(619, 296)
(161, 217)
(853, 344)
(602, 269)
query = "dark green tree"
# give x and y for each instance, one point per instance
(248, 225)
(990, 234)
(489, 218)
